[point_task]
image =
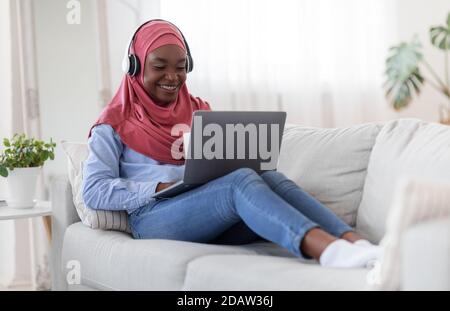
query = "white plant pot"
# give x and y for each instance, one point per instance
(22, 186)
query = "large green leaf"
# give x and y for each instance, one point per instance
(440, 35)
(403, 76)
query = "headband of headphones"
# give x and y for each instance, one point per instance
(130, 62)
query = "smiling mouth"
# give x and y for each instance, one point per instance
(171, 88)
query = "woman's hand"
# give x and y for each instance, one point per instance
(163, 185)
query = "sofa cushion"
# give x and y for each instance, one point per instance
(96, 219)
(226, 272)
(330, 164)
(404, 149)
(114, 260)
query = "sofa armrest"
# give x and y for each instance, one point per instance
(418, 202)
(425, 256)
(63, 215)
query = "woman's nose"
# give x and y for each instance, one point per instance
(171, 76)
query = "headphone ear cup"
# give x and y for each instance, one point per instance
(126, 63)
(135, 66)
(189, 64)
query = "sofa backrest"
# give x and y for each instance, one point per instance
(330, 164)
(404, 149)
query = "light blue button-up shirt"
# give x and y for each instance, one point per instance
(116, 177)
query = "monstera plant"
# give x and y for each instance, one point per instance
(405, 67)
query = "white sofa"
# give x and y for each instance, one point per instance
(354, 171)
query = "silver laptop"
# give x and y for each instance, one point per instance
(223, 141)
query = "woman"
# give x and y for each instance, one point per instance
(131, 158)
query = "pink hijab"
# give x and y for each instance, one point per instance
(141, 124)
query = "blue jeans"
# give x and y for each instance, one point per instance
(241, 206)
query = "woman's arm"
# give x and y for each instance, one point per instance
(102, 186)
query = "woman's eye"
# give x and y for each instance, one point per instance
(163, 67)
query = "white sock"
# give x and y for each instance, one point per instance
(363, 242)
(343, 254)
(376, 248)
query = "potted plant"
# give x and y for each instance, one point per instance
(21, 162)
(404, 67)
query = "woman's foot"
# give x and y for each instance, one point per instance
(343, 254)
(352, 237)
(367, 244)
(339, 253)
(364, 242)
(315, 242)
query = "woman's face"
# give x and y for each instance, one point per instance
(165, 73)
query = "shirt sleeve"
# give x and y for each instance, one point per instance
(102, 186)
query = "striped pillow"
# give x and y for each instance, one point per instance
(95, 219)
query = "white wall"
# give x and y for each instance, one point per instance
(416, 17)
(67, 75)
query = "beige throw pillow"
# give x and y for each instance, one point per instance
(404, 149)
(330, 164)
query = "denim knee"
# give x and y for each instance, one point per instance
(276, 180)
(273, 176)
(237, 177)
(242, 173)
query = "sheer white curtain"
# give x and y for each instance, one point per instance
(24, 245)
(320, 60)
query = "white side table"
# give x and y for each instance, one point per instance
(41, 209)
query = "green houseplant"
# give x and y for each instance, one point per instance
(21, 161)
(405, 66)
